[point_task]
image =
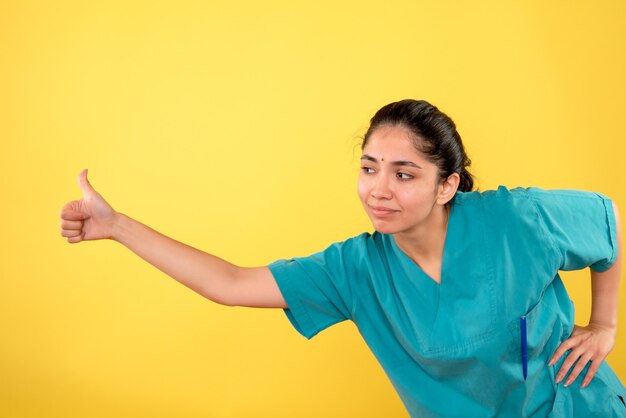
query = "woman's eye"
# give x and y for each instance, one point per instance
(367, 170)
(404, 176)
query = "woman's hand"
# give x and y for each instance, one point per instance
(89, 218)
(587, 344)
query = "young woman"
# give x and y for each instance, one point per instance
(457, 293)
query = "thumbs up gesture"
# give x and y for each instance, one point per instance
(89, 218)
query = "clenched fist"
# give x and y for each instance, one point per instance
(89, 218)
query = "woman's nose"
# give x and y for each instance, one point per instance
(381, 189)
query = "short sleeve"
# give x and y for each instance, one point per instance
(317, 288)
(580, 225)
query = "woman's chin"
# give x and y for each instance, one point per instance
(384, 227)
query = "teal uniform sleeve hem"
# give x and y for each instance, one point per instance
(296, 312)
(610, 218)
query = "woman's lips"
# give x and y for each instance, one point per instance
(382, 211)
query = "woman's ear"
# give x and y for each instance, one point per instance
(448, 188)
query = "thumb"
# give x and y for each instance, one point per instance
(85, 186)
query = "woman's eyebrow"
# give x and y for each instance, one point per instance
(396, 163)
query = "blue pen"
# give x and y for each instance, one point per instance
(524, 347)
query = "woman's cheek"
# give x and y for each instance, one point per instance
(362, 189)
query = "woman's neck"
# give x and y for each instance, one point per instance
(425, 243)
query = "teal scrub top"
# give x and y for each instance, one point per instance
(454, 349)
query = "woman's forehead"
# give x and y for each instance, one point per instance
(392, 143)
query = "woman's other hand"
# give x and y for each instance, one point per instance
(587, 344)
(89, 218)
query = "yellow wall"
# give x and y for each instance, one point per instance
(233, 126)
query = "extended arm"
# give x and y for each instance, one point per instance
(93, 218)
(595, 341)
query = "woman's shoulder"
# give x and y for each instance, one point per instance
(501, 197)
(528, 205)
(494, 207)
(504, 194)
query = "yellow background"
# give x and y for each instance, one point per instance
(234, 127)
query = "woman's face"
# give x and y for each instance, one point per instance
(398, 186)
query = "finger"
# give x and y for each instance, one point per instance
(73, 215)
(68, 233)
(562, 349)
(580, 365)
(595, 365)
(567, 365)
(84, 184)
(71, 224)
(75, 240)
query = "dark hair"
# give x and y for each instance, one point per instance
(434, 135)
